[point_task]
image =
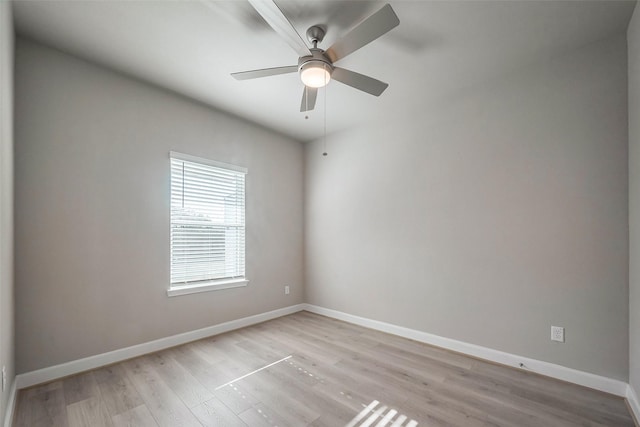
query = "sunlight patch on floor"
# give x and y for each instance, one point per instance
(372, 413)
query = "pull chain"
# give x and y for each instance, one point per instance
(325, 115)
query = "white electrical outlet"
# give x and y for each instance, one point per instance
(557, 333)
(286, 290)
(4, 377)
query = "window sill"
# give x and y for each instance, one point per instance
(206, 287)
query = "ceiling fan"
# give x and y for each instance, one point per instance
(316, 65)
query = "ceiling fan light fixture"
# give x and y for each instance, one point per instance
(315, 74)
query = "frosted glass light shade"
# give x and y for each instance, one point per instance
(315, 74)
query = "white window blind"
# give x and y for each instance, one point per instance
(207, 221)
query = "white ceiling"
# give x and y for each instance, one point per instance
(439, 49)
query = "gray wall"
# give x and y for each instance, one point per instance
(6, 199)
(92, 210)
(489, 220)
(633, 40)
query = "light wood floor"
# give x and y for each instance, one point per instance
(323, 373)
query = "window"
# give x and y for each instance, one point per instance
(207, 225)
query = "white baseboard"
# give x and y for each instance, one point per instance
(11, 405)
(44, 375)
(586, 379)
(634, 403)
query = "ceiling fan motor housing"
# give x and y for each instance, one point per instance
(317, 59)
(318, 64)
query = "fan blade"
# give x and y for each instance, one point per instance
(265, 72)
(359, 81)
(272, 14)
(309, 95)
(367, 31)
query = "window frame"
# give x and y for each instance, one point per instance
(213, 284)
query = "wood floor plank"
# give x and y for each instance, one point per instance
(334, 371)
(319, 343)
(277, 397)
(396, 378)
(244, 361)
(236, 398)
(432, 352)
(116, 389)
(349, 388)
(165, 406)
(89, 412)
(500, 406)
(296, 344)
(80, 387)
(109, 373)
(422, 360)
(567, 407)
(265, 349)
(211, 375)
(179, 379)
(331, 333)
(499, 391)
(262, 416)
(38, 389)
(45, 406)
(214, 413)
(562, 395)
(305, 394)
(135, 417)
(432, 408)
(23, 410)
